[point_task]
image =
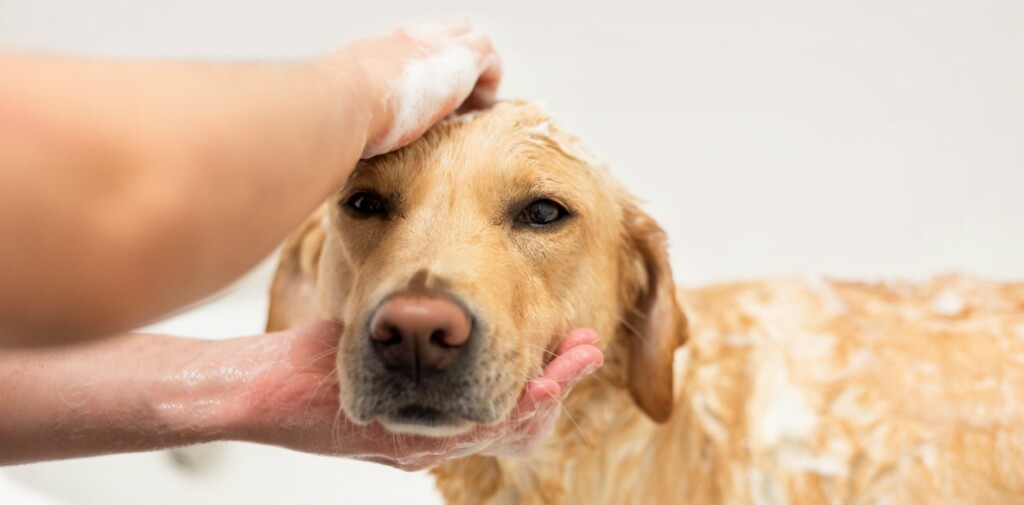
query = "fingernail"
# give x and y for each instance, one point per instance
(589, 336)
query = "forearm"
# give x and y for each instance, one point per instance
(123, 394)
(139, 176)
(144, 392)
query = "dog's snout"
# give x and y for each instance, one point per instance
(416, 334)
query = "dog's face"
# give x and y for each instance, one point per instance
(457, 264)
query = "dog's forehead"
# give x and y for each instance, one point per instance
(513, 140)
(509, 147)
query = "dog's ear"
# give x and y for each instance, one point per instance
(292, 294)
(653, 322)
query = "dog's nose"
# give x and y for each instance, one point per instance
(417, 334)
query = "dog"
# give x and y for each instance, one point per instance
(457, 264)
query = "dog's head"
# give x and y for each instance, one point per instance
(458, 263)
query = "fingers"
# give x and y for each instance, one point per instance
(537, 411)
(490, 71)
(575, 358)
(427, 72)
(565, 371)
(485, 91)
(577, 337)
(487, 76)
(542, 389)
(458, 31)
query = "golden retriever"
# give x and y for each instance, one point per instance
(787, 391)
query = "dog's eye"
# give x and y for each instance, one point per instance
(367, 204)
(542, 213)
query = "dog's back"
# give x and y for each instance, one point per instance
(858, 393)
(801, 392)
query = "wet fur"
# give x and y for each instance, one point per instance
(789, 391)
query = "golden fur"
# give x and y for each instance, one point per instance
(787, 391)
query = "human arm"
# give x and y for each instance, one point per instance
(129, 189)
(144, 392)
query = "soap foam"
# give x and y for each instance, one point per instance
(422, 86)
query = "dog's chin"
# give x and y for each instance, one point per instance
(425, 421)
(428, 431)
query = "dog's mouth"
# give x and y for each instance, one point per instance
(422, 415)
(430, 412)
(396, 378)
(424, 420)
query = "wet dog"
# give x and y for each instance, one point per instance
(457, 263)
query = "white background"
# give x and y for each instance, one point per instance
(869, 139)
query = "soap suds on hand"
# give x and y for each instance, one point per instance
(424, 84)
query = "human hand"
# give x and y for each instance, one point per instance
(415, 76)
(293, 402)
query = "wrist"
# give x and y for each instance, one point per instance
(202, 397)
(353, 91)
(245, 398)
(290, 396)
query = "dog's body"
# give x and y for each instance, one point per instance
(786, 392)
(801, 392)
